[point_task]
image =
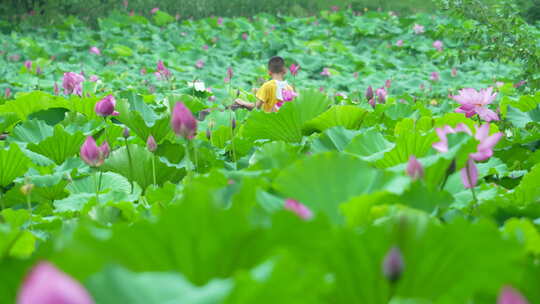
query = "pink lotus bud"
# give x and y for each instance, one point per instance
(125, 133)
(143, 71)
(335, 8)
(151, 144)
(28, 65)
(509, 295)
(7, 92)
(369, 93)
(154, 10)
(183, 122)
(438, 45)
(244, 36)
(72, 83)
(381, 95)
(199, 64)
(47, 284)
(393, 264)
(372, 102)
(205, 47)
(435, 76)
(294, 69)
(388, 83)
(298, 208)
(95, 50)
(321, 89)
(325, 72)
(399, 43)
(93, 155)
(230, 73)
(454, 72)
(414, 168)
(105, 107)
(220, 21)
(418, 29)
(469, 175)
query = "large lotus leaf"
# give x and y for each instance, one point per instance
(159, 129)
(13, 163)
(82, 105)
(324, 181)
(336, 138)
(141, 172)
(273, 155)
(528, 191)
(31, 131)
(117, 285)
(349, 117)
(521, 119)
(28, 103)
(370, 145)
(60, 146)
(286, 125)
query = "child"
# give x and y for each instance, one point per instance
(270, 94)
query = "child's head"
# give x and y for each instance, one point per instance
(276, 66)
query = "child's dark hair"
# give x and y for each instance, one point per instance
(276, 65)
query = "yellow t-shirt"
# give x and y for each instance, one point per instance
(267, 94)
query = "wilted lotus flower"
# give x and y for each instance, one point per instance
(151, 144)
(325, 72)
(95, 50)
(46, 284)
(298, 208)
(105, 107)
(72, 83)
(369, 93)
(244, 36)
(418, 29)
(469, 175)
(414, 168)
(93, 155)
(294, 69)
(183, 122)
(438, 45)
(484, 150)
(509, 295)
(199, 64)
(381, 95)
(393, 264)
(453, 72)
(154, 10)
(7, 92)
(399, 43)
(288, 95)
(28, 65)
(435, 76)
(474, 102)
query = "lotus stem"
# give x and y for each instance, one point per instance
(153, 170)
(130, 165)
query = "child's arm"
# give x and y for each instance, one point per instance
(249, 105)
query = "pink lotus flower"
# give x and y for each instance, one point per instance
(294, 69)
(151, 144)
(484, 150)
(72, 83)
(335, 8)
(95, 50)
(453, 72)
(199, 64)
(105, 107)
(325, 72)
(418, 29)
(220, 21)
(244, 36)
(381, 95)
(321, 89)
(288, 95)
(509, 295)
(93, 155)
(399, 43)
(438, 45)
(393, 264)
(28, 65)
(183, 122)
(7, 92)
(162, 71)
(435, 76)
(298, 208)
(474, 102)
(414, 168)
(469, 175)
(154, 10)
(94, 78)
(46, 284)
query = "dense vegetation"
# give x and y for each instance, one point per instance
(422, 189)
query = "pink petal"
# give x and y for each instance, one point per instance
(469, 175)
